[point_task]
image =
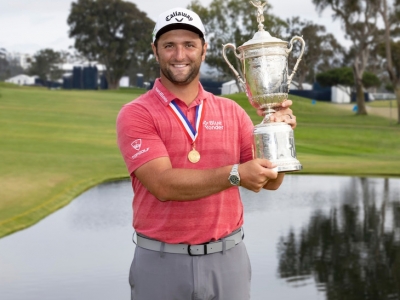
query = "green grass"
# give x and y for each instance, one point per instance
(330, 140)
(383, 103)
(55, 144)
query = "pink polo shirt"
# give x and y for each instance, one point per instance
(147, 129)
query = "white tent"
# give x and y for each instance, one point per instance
(229, 87)
(22, 79)
(124, 81)
(341, 94)
(295, 86)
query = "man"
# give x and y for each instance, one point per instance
(187, 151)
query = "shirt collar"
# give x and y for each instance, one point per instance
(166, 96)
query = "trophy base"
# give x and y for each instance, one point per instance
(275, 142)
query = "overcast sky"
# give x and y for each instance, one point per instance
(27, 26)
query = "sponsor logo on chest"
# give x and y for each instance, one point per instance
(213, 125)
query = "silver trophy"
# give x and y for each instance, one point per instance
(264, 62)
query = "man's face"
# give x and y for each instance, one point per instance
(180, 53)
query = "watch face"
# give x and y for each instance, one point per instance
(234, 180)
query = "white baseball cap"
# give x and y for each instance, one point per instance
(178, 18)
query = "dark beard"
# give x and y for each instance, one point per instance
(189, 78)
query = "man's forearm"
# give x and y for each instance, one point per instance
(189, 184)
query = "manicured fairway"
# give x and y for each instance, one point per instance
(55, 144)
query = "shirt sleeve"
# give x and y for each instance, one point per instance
(247, 139)
(137, 136)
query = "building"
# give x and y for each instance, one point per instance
(87, 76)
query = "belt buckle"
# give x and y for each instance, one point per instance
(190, 251)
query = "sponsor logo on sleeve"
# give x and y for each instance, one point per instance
(137, 144)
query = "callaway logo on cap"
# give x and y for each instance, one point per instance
(178, 18)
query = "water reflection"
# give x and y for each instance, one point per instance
(317, 237)
(351, 251)
(80, 252)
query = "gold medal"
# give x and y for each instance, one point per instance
(194, 156)
(191, 133)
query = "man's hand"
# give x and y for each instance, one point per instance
(259, 173)
(283, 114)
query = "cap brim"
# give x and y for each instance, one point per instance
(178, 26)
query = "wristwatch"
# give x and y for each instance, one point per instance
(234, 177)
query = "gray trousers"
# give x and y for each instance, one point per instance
(170, 276)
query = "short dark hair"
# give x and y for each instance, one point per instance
(203, 41)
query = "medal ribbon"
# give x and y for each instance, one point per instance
(191, 133)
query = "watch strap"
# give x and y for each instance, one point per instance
(234, 177)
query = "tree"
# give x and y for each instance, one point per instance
(46, 64)
(351, 252)
(9, 68)
(344, 76)
(395, 54)
(231, 21)
(391, 18)
(370, 80)
(338, 76)
(112, 32)
(322, 51)
(359, 18)
(4, 72)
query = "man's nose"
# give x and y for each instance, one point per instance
(180, 52)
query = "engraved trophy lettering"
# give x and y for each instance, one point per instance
(264, 65)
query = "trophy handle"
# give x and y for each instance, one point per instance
(303, 44)
(241, 81)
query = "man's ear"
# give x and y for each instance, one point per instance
(204, 52)
(154, 51)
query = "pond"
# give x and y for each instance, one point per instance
(317, 237)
